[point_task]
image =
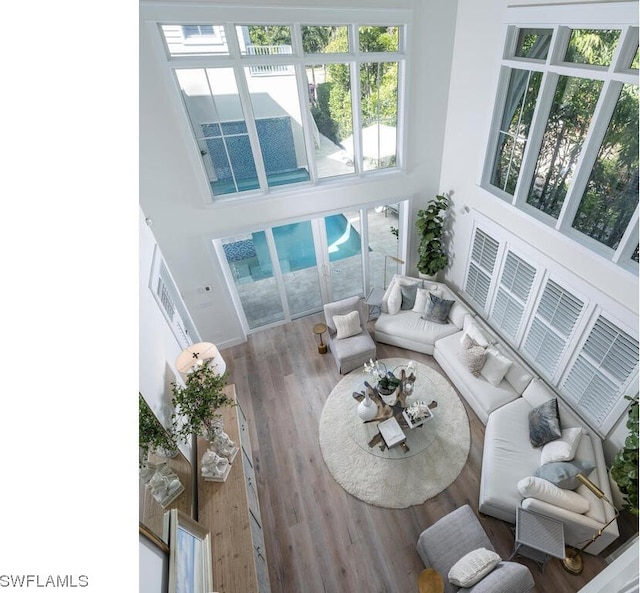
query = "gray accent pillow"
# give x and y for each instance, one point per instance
(544, 423)
(409, 295)
(437, 309)
(563, 473)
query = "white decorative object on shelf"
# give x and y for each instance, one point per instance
(164, 484)
(220, 441)
(214, 467)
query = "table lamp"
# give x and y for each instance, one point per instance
(573, 562)
(198, 354)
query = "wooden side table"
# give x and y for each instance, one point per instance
(319, 329)
(430, 581)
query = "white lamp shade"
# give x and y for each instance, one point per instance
(199, 354)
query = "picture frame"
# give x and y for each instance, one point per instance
(190, 565)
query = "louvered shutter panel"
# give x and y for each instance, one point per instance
(596, 380)
(553, 324)
(516, 281)
(483, 259)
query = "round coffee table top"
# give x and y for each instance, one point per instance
(430, 581)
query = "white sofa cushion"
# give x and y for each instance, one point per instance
(394, 302)
(537, 393)
(473, 330)
(562, 449)
(409, 325)
(495, 367)
(532, 487)
(457, 314)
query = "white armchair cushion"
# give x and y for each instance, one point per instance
(473, 567)
(347, 325)
(532, 487)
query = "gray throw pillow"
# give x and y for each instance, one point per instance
(563, 473)
(409, 295)
(437, 309)
(544, 423)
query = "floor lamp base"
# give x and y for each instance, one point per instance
(573, 562)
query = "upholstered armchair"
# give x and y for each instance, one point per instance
(349, 340)
(459, 533)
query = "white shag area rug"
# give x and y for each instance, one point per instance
(400, 480)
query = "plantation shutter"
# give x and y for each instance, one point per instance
(513, 292)
(599, 375)
(481, 264)
(553, 324)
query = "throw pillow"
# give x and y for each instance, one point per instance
(437, 309)
(544, 423)
(563, 474)
(562, 449)
(395, 299)
(473, 567)
(408, 296)
(422, 297)
(496, 367)
(472, 329)
(347, 325)
(472, 355)
(532, 487)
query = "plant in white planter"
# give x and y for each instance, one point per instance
(430, 224)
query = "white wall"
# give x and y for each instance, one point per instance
(479, 44)
(174, 194)
(158, 348)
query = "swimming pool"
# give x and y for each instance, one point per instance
(294, 245)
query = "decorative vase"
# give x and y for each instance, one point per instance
(367, 410)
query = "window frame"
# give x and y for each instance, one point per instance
(157, 16)
(562, 19)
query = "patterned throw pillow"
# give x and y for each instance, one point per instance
(544, 423)
(437, 309)
(473, 567)
(472, 355)
(347, 325)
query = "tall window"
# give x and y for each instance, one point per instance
(564, 146)
(274, 105)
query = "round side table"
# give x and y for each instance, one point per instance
(430, 581)
(319, 329)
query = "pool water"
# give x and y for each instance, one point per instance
(295, 247)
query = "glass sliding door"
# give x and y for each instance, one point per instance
(251, 266)
(299, 268)
(384, 247)
(344, 253)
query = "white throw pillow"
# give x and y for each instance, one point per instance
(473, 567)
(518, 377)
(532, 487)
(562, 449)
(347, 325)
(395, 300)
(495, 367)
(537, 393)
(472, 329)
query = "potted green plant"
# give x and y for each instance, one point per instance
(152, 436)
(430, 225)
(196, 404)
(624, 469)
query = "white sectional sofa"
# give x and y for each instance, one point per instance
(509, 459)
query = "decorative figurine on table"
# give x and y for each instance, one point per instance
(215, 468)
(221, 443)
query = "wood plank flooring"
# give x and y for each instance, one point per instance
(320, 539)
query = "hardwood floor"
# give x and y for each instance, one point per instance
(319, 539)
